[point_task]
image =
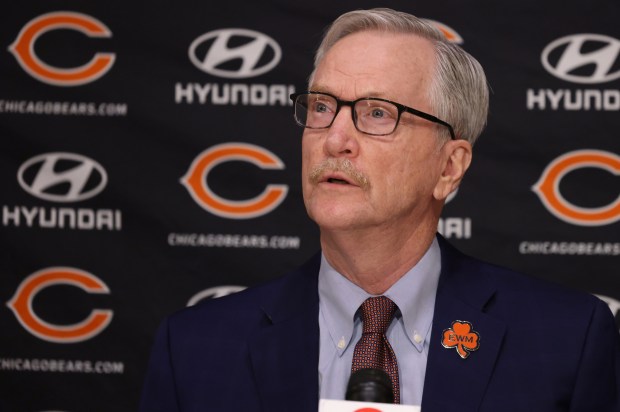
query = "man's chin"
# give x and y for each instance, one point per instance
(335, 219)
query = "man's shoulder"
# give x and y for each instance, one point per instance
(253, 306)
(515, 291)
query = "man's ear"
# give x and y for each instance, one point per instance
(456, 158)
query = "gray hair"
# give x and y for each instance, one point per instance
(458, 93)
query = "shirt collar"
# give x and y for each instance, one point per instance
(339, 299)
(414, 294)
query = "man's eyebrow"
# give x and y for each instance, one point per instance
(319, 88)
(324, 89)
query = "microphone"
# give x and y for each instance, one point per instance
(369, 390)
(370, 385)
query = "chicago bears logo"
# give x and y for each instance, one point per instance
(451, 35)
(24, 49)
(21, 305)
(196, 181)
(548, 188)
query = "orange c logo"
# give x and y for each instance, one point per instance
(21, 305)
(23, 49)
(451, 35)
(547, 188)
(196, 181)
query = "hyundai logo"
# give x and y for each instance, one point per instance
(62, 177)
(214, 293)
(583, 58)
(613, 304)
(235, 53)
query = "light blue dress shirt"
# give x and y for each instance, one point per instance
(409, 333)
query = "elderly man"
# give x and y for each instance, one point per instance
(390, 117)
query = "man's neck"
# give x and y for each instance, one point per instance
(375, 258)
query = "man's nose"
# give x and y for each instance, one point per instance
(342, 136)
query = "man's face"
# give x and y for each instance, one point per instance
(402, 169)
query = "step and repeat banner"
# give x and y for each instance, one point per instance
(149, 160)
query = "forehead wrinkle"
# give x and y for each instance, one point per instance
(346, 80)
(351, 69)
(365, 91)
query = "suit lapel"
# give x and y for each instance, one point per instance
(285, 353)
(464, 293)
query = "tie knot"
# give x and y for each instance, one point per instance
(377, 314)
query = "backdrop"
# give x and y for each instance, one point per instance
(149, 160)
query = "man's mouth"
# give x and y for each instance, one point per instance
(338, 172)
(337, 181)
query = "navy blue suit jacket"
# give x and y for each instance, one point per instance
(542, 348)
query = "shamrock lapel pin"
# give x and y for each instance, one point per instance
(462, 337)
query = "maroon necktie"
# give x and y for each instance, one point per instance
(373, 349)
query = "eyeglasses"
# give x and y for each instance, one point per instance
(371, 115)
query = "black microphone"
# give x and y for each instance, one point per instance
(370, 385)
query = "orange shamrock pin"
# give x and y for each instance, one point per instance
(462, 337)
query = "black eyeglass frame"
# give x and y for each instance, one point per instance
(351, 103)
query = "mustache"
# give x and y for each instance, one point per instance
(344, 166)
